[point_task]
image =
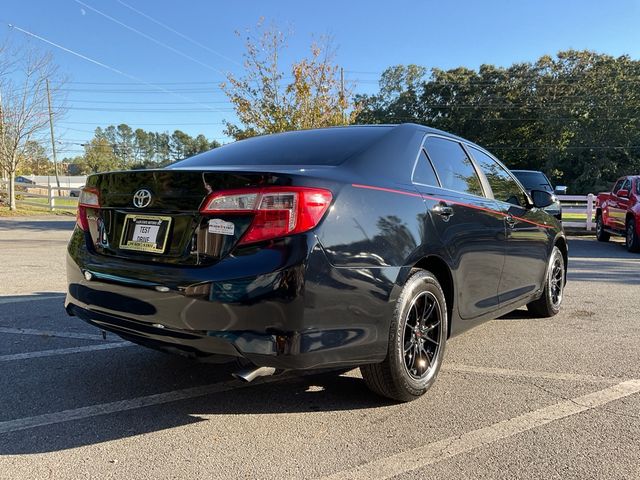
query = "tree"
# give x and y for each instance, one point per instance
(23, 105)
(99, 157)
(180, 145)
(575, 115)
(265, 103)
(35, 160)
(122, 147)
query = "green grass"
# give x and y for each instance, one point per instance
(574, 217)
(59, 202)
(28, 210)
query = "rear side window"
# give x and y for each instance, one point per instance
(424, 173)
(454, 168)
(504, 187)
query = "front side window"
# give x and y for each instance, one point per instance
(455, 170)
(627, 185)
(505, 188)
(617, 186)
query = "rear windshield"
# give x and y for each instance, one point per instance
(330, 146)
(533, 180)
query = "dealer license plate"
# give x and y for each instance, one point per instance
(145, 233)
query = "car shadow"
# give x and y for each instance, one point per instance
(102, 380)
(22, 223)
(590, 248)
(519, 314)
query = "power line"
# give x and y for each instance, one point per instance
(105, 66)
(150, 110)
(157, 90)
(149, 124)
(149, 37)
(182, 35)
(203, 82)
(577, 147)
(532, 119)
(119, 102)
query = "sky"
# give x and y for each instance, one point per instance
(162, 61)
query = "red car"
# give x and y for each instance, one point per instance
(618, 212)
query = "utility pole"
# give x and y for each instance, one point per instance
(53, 142)
(342, 92)
(1, 138)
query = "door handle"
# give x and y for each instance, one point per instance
(444, 210)
(510, 221)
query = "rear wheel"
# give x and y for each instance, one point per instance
(549, 303)
(416, 342)
(632, 238)
(601, 235)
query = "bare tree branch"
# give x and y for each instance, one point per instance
(23, 105)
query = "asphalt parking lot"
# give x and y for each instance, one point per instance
(517, 398)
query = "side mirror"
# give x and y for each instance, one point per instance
(623, 193)
(561, 190)
(542, 199)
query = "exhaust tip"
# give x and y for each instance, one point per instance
(250, 374)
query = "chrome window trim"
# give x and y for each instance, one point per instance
(473, 165)
(506, 169)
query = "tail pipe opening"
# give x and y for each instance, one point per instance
(250, 374)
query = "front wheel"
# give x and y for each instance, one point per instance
(417, 340)
(601, 234)
(549, 303)
(632, 238)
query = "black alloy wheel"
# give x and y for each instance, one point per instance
(550, 301)
(417, 338)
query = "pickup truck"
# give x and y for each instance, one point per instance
(618, 212)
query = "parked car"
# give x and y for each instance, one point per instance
(618, 212)
(536, 180)
(76, 192)
(356, 246)
(24, 180)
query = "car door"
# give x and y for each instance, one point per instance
(464, 220)
(609, 205)
(527, 243)
(618, 206)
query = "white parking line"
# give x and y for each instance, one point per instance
(63, 351)
(504, 372)
(431, 453)
(124, 405)
(46, 333)
(29, 298)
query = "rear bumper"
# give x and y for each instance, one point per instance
(294, 311)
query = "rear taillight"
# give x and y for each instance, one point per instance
(277, 211)
(88, 199)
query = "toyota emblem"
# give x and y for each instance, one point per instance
(142, 198)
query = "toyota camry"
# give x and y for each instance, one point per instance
(363, 246)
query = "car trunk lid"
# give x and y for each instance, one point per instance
(154, 215)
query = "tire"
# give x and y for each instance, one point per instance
(417, 339)
(631, 236)
(601, 235)
(550, 301)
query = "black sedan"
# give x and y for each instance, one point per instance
(356, 246)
